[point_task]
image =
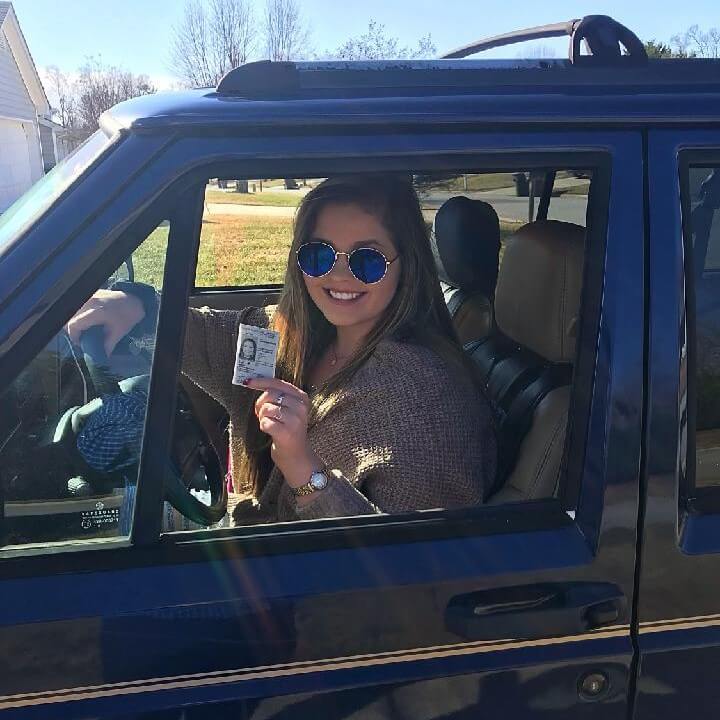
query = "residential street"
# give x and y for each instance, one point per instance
(508, 206)
(570, 208)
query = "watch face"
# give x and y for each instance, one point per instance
(318, 481)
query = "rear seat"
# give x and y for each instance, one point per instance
(466, 246)
(526, 362)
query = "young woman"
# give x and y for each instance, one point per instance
(374, 408)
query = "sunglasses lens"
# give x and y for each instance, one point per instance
(368, 265)
(316, 258)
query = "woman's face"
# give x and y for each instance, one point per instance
(344, 300)
(248, 348)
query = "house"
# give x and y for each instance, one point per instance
(30, 142)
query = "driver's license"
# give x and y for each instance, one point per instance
(256, 353)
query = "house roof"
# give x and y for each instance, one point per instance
(18, 47)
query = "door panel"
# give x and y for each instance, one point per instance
(679, 591)
(502, 607)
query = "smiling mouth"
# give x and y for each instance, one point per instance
(343, 296)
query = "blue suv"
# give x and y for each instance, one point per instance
(588, 579)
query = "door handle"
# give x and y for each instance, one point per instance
(540, 610)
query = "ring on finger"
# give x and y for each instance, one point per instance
(279, 414)
(280, 400)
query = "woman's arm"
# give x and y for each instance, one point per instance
(210, 335)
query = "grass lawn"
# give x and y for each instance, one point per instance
(149, 258)
(235, 250)
(263, 198)
(486, 181)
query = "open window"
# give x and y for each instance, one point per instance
(533, 358)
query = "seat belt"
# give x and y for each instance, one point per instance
(516, 423)
(454, 298)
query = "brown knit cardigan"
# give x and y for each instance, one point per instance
(405, 434)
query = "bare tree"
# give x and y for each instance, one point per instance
(695, 42)
(212, 39)
(61, 93)
(234, 29)
(100, 87)
(286, 35)
(376, 45)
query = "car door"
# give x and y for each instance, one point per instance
(678, 603)
(521, 609)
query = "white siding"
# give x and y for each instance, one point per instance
(48, 148)
(15, 100)
(15, 163)
(32, 131)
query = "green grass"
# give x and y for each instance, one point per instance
(149, 258)
(263, 198)
(236, 251)
(485, 181)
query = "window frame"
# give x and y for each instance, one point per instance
(574, 451)
(541, 151)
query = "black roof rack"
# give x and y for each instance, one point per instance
(266, 80)
(618, 63)
(604, 38)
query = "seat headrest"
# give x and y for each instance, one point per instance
(537, 301)
(466, 244)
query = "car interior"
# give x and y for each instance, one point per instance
(511, 270)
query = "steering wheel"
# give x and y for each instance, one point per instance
(176, 490)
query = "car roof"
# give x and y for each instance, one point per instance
(421, 92)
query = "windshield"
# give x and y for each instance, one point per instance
(46, 190)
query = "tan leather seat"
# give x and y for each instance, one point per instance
(537, 303)
(466, 246)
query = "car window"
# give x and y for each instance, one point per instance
(246, 231)
(702, 188)
(44, 192)
(473, 220)
(72, 425)
(247, 224)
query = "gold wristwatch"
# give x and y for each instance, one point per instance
(318, 481)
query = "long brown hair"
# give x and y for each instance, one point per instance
(417, 313)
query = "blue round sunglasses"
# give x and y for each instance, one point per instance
(368, 265)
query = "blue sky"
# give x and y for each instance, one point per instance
(135, 34)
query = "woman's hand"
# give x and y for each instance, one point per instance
(282, 410)
(116, 311)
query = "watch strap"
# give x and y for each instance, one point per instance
(311, 487)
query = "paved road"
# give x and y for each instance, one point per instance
(570, 208)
